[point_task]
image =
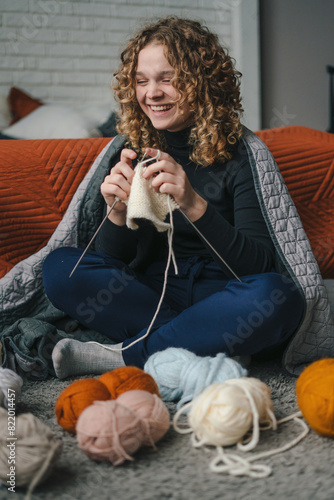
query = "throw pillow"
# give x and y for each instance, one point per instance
(21, 104)
(54, 121)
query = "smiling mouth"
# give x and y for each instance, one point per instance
(164, 107)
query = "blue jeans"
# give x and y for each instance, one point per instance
(202, 311)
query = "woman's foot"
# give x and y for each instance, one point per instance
(71, 357)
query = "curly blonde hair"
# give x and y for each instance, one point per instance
(205, 79)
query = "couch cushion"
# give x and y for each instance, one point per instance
(38, 180)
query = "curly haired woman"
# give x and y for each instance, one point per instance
(179, 93)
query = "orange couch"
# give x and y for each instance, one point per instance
(39, 177)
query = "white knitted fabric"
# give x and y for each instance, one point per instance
(145, 203)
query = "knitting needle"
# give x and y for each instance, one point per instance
(209, 244)
(94, 235)
(105, 218)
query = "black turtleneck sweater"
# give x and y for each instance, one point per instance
(233, 222)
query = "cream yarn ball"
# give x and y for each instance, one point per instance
(224, 413)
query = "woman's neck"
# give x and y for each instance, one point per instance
(178, 140)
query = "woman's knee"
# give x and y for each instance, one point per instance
(55, 271)
(282, 306)
(58, 258)
(275, 294)
(272, 308)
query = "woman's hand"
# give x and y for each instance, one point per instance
(169, 177)
(118, 183)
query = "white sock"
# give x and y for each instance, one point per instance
(71, 357)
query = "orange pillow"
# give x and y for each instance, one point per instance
(21, 104)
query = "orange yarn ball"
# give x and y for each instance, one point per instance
(128, 378)
(76, 398)
(82, 393)
(315, 396)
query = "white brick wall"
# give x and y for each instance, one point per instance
(67, 50)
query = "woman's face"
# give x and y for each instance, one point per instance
(155, 93)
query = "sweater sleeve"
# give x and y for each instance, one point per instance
(244, 243)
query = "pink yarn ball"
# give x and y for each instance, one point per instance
(153, 412)
(114, 430)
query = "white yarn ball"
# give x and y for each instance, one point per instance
(223, 413)
(10, 386)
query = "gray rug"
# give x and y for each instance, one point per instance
(178, 471)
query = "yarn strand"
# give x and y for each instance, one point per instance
(256, 426)
(42, 471)
(224, 414)
(171, 257)
(176, 425)
(236, 465)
